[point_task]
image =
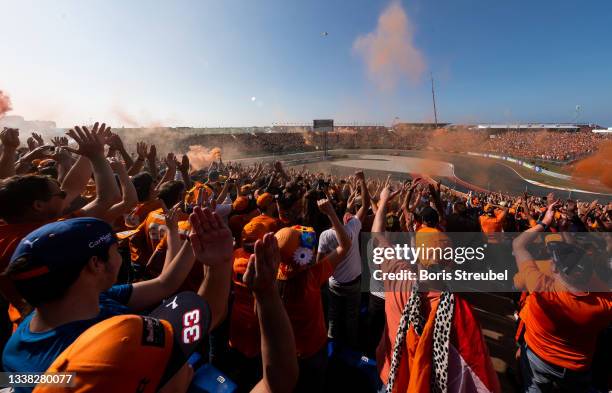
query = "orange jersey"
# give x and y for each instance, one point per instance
(492, 224)
(553, 316)
(192, 195)
(140, 212)
(155, 227)
(145, 239)
(244, 325)
(305, 310)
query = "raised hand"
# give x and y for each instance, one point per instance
(59, 141)
(550, 212)
(31, 143)
(184, 165)
(325, 207)
(550, 198)
(171, 161)
(114, 142)
(260, 274)
(38, 139)
(10, 137)
(141, 150)
(61, 155)
(106, 134)
(359, 175)
(387, 182)
(395, 193)
(152, 154)
(172, 216)
(385, 195)
(117, 165)
(210, 237)
(90, 144)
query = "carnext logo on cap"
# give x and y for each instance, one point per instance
(102, 239)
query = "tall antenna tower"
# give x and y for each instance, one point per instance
(433, 97)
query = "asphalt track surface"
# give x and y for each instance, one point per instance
(466, 172)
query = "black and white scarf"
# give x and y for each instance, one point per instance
(411, 316)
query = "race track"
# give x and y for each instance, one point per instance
(459, 171)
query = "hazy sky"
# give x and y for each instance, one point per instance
(230, 62)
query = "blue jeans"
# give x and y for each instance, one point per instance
(540, 376)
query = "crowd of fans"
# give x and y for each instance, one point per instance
(126, 268)
(559, 146)
(550, 146)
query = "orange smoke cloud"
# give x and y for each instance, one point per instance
(457, 139)
(5, 103)
(598, 166)
(201, 157)
(125, 118)
(389, 51)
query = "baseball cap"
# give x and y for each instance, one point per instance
(58, 245)
(297, 245)
(135, 353)
(264, 200)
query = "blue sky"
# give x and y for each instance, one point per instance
(200, 63)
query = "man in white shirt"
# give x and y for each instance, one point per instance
(345, 282)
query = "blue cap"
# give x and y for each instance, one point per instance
(60, 244)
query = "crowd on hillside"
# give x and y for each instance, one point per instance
(139, 273)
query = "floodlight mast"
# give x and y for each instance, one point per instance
(433, 97)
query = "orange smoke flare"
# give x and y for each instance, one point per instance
(200, 157)
(5, 103)
(389, 51)
(597, 166)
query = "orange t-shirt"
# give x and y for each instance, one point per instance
(306, 311)
(244, 326)
(140, 212)
(492, 224)
(144, 240)
(155, 227)
(562, 327)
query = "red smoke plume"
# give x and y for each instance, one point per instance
(5, 103)
(389, 51)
